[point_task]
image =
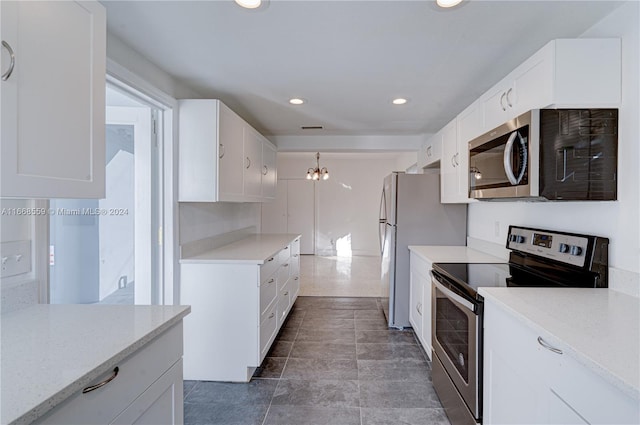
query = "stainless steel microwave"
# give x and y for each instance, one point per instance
(548, 154)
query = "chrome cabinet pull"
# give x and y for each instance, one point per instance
(12, 64)
(296, 278)
(220, 155)
(453, 161)
(546, 345)
(285, 265)
(429, 151)
(103, 383)
(271, 316)
(504, 108)
(271, 281)
(266, 170)
(270, 259)
(286, 293)
(248, 162)
(507, 97)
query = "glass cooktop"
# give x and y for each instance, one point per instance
(475, 275)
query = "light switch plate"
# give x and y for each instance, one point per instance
(15, 258)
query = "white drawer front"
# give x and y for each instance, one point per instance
(295, 247)
(268, 292)
(284, 303)
(135, 374)
(270, 265)
(283, 274)
(285, 254)
(268, 328)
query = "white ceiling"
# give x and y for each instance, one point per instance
(348, 59)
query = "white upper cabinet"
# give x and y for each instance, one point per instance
(430, 153)
(269, 171)
(564, 73)
(230, 153)
(454, 183)
(221, 156)
(53, 99)
(252, 163)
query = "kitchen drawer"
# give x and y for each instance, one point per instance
(136, 373)
(295, 247)
(270, 265)
(268, 292)
(294, 284)
(284, 274)
(284, 302)
(285, 254)
(268, 328)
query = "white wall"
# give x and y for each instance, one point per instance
(619, 221)
(347, 205)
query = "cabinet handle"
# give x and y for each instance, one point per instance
(429, 151)
(508, 100)
(266, 170)
(295, 255)
(103, 383)
(453, 161)
(248, 162)
(285, 265)
(504, 108)
(456, 156)
(546, 345)
(419, 308)
(271, 281)
(296, 278)
(271, 316)
(7, 74)
(286, 247)
(286, 293)
(270, 259)
(222, 150)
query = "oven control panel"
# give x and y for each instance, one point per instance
(567, 248)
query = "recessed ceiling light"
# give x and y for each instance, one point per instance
(399, 101)
(296, 101)
(447, 3)
(249, 4)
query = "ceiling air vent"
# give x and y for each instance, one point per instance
(311, 127)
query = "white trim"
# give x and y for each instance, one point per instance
(40, 250)
(122, 78)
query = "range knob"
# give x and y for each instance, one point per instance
(564, 248)
(575, 250)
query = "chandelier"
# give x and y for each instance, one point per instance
(315, 174)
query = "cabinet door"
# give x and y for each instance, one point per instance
(53, 102)
(470, 124)
(230, 154)
(416, 286)
(449, 165)
(252, 164)
(532, 83)
(495, 105)
(269, 171)
(161, 403)
(425, 276)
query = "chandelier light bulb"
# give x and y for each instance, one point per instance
(249, 4)
(316, 173)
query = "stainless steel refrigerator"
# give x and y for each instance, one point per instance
(411, 214)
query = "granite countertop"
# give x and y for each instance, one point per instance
(453, 254)
(253, 249)
(49, 352)
(600, 327)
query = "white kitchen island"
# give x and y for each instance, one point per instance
(50, 353)
(240, 293)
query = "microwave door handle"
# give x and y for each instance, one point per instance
(508, 151)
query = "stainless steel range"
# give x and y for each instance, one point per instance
(543, 258)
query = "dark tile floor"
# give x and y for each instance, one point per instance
(334, 362)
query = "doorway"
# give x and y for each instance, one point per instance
(108, 250)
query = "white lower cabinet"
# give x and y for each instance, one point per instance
(526, 382)
(420, 300)
(147, 389)
(237, 309)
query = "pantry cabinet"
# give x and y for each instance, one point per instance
(221, 156)
(530, 377)
(52, 93)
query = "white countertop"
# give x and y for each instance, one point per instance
(600, 327)
(253, 249)
(49, 352)
(453, 254)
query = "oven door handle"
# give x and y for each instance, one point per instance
(452, 295)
